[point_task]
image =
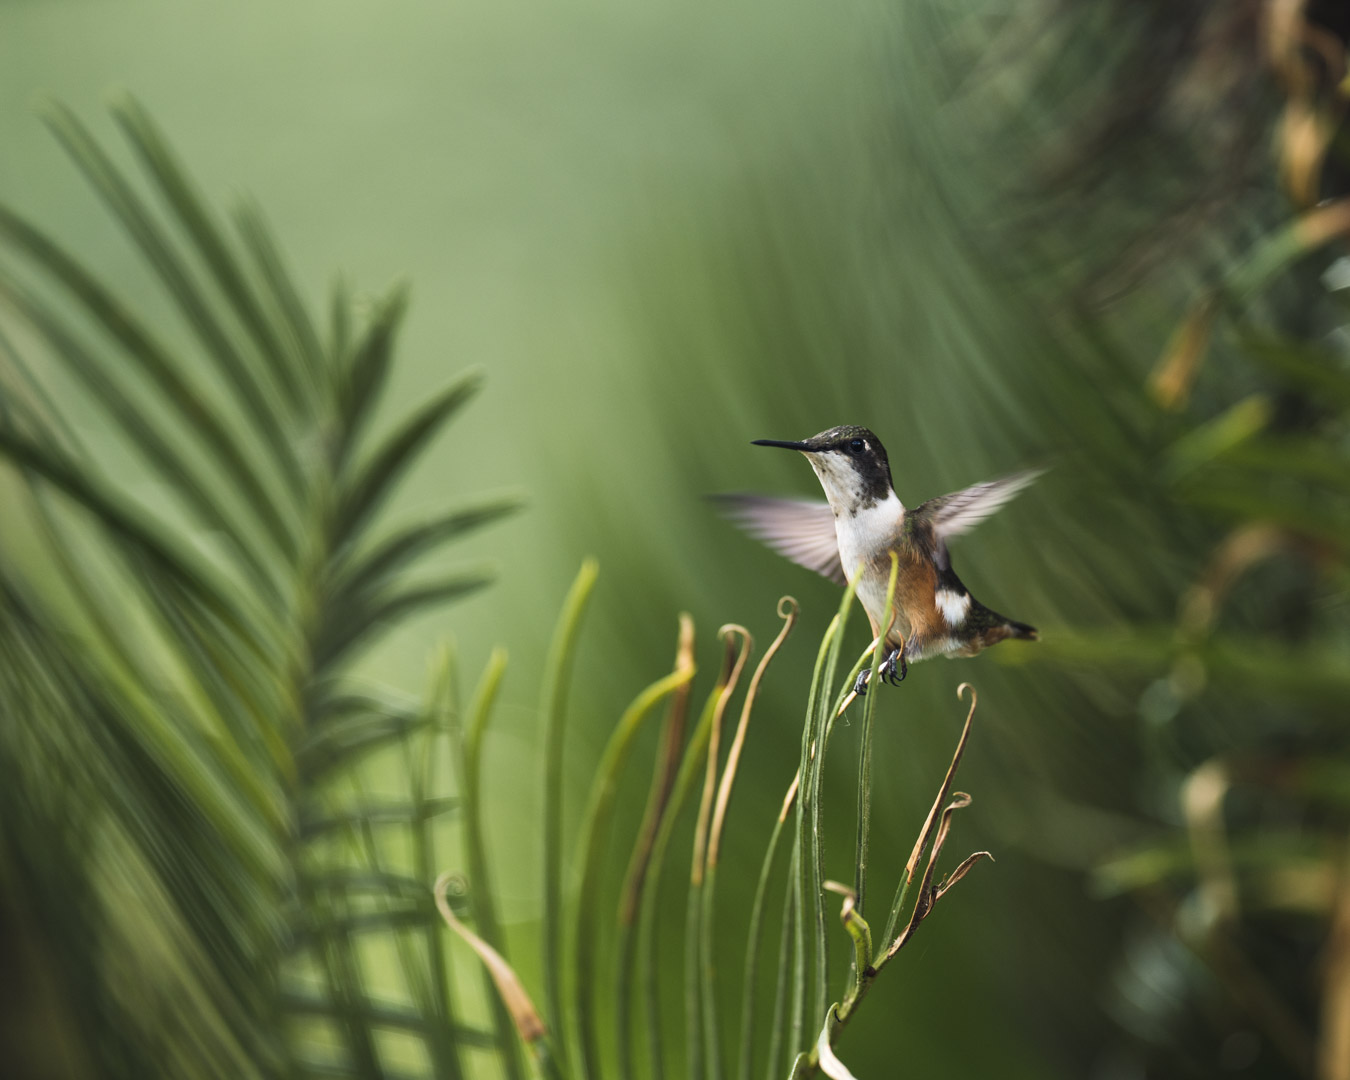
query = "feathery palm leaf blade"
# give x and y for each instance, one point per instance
(375, 481)
(165, 372)
(203, 691)
(251, 388)
(207, 239)
(142, 430)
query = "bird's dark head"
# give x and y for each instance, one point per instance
(851, 463)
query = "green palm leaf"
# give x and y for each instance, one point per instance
(175, 683)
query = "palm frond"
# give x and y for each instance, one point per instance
(199, 771)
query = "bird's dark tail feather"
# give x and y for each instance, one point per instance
(1022, 630)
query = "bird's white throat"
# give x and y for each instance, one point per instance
(866, 531)
(847, 491)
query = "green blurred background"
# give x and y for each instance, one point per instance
(666, 230)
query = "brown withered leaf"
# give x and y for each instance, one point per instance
(509, 987)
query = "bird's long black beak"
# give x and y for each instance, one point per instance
(785, 445)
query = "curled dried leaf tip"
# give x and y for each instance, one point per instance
(509, 987)
(960, 872)
(727, 629)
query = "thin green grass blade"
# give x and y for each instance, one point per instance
(690, 766)
(802, 859)
(180, 194)
(665, 770)
(467, 746)
(696, 1044)
(375, 481)
(813, 791)
(553, 711)
(712, 1017)
(164, 372)
(251, 390)
(779, 1027)
(595, 829)
(865, 747)
(432, 974)
(699, 1048)
(750, 976)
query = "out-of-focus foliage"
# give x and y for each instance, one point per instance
(196, 880)
(1242, 959)
(974, 227)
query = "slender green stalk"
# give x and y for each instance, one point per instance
(702, 1044)
(595, 829)
(696, 1061)
(425, 968)
(712, 1026)
(684, 782)
(557, 677)
(665, 771)
(469, 743)
(802, 859)
(745, 1059)
(812, 791)
(787, 611)
(793, 938)
(865, 747)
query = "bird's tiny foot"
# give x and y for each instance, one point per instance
(860, 683)
(894, 668)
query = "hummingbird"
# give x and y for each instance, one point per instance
(850, 538)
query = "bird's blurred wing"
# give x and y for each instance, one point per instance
(801, 529)
(959, 512)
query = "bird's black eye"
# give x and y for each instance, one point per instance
(855, 446)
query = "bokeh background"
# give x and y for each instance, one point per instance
(1053, 234)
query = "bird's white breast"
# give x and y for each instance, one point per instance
(863, 535)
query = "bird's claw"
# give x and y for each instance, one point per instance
(894, 668)
(860, 683)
